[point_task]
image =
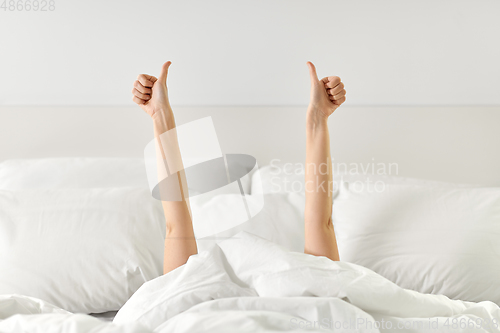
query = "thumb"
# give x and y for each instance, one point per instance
(312, 72)
(164, 72)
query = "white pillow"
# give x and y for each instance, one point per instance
(72, 173)
(78, 172)
(439, 240)
(84, 250)
(281, 220)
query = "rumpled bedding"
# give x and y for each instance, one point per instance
(249, 284)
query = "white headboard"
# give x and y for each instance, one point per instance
(456, 144)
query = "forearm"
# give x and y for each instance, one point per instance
(318, 168)
(179, 227)
(169, 151)
(318, 210)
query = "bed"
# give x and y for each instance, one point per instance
(81, 249)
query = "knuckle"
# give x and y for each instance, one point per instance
(334, 80)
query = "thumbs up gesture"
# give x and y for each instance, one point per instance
(327, 94)
(151, 93)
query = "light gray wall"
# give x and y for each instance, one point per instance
(456, 144)
(253, 52)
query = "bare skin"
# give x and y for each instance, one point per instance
(327, 95)
(151, 94)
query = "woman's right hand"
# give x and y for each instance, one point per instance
(327, 94)
(151, 93)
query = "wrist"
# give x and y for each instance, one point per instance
(316, 119)
(164, 119)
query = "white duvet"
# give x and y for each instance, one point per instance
(248, 284)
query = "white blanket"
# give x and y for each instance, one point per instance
(248, 284)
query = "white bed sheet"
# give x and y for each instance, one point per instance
(248, 284)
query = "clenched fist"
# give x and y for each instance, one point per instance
(327, 94)
(151, 93)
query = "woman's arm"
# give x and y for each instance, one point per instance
(326, 96)
(151, 94)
